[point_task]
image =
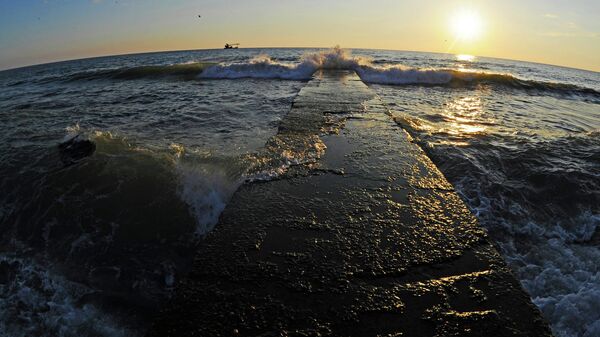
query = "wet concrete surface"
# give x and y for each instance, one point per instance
(361, 236)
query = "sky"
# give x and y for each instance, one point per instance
(559, 32)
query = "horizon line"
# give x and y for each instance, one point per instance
(347, 48)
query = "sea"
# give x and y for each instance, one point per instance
(95, 245)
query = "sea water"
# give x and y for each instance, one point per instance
(95, 246)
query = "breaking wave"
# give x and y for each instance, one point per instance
(113, 267)
(203, 181)
(260, 67)
(264, 67)
(185, 71)
(370, 71)
(206, 185)
(400, 75)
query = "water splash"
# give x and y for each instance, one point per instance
(263, 66)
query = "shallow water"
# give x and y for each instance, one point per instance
(95, 246)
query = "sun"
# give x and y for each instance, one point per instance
(466, 25)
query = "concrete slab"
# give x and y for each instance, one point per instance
(362, 237)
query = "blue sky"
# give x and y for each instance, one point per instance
(557, 32)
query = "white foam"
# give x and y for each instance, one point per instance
(404, 75)
(72, 131)
(337, 58)
(563, 280)
(563, 277)
(37, 302)
(206, 189)
(260, 67)
(264, 67)
(555, 265)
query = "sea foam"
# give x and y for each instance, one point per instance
(264, 67)
(206, 189)
(49, 303)
(562, 276)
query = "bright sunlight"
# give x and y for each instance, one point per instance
(466, 25)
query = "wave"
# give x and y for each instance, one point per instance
(400, 75)
(263, 66)
(206, 183)
(369, 70)
(109, 259)
(372, 71)
(185, 71)
(119, 227)
(202, 181)
(259, 67)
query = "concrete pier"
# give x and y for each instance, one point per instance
(362, 237)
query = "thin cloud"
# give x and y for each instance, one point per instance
(571, 34)
(563, 28)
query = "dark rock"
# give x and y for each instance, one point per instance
(76, 149)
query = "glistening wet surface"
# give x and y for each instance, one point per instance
(368, 241)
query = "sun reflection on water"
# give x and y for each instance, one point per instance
(464, 118)
(461, 119)
(465, 58)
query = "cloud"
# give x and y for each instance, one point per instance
(571, 34)
(563, 28)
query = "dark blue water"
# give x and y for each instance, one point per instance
(95, 245)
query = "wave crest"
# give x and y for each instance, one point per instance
(370, 71)
(263, 66)
(399, 75)
(186, 71)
